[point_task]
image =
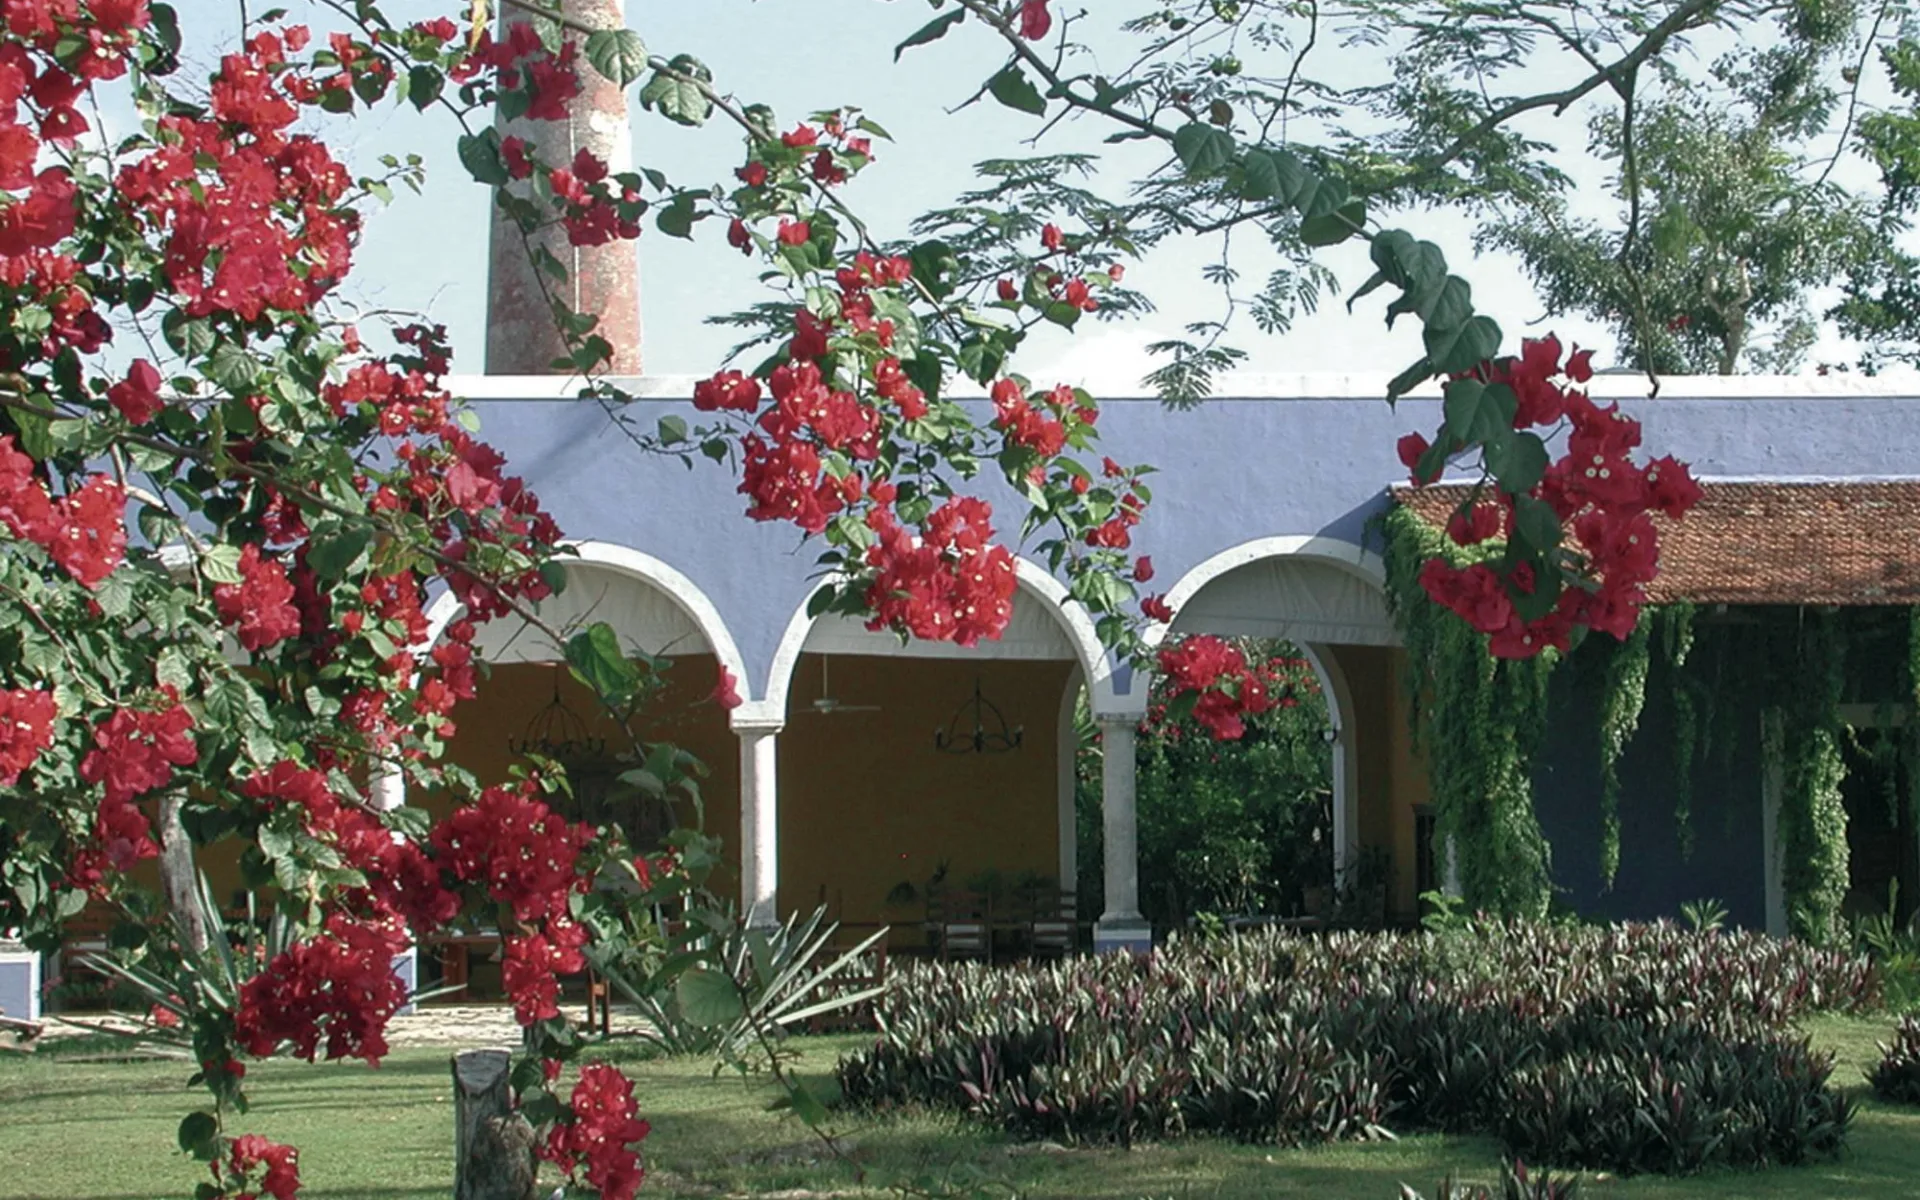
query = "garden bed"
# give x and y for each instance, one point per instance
(1628, 1049)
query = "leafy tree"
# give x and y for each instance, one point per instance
(1728, 217)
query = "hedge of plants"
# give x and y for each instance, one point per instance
(1628, 1049)
(1897, 1075)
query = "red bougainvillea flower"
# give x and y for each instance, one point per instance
(138, 395)
(1157, 608)
(1601, 497)
(596, 1139)
(282, 1178)
(1035, 20)
(135, 751)
(1050, 236)
(260, 607)
(1143, 569)
(1216, 672)
(726, 693)
(26, 728)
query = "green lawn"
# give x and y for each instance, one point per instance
(88, 1130)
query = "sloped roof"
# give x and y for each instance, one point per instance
(1846, 543)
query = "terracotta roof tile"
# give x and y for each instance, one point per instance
(1772, 543)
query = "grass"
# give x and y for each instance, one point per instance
(74, 1127)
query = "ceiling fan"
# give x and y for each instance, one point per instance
(826, 703)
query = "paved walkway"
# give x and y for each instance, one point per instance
(452, 1025)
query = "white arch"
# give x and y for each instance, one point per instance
(634, 564)
(1071, 617)
(1355, 560)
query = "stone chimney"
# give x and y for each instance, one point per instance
(604, 280)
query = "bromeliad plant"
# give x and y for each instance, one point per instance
(1631, 1049)
(1896, 1076)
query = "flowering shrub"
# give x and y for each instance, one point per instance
(1523, 599)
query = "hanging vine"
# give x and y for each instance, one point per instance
(1677, 638)
(1478, 720)
(1813, 814)
(1621, 702)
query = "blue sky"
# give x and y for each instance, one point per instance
(428, 252)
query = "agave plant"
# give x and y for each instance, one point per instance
(237, 952)
(1516, 1183)
(731, 984)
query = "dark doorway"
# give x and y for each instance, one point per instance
(1883, 844)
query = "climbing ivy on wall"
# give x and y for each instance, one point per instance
(1478, 720)
(1676, 640)
(1807, 747)
(1620, 704)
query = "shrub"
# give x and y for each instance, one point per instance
(1632, 1048)
(1897, 1076)
(1516, 1183)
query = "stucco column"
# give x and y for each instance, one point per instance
(389, 791)
(759, 821)
(522, 338)
(1121, 927)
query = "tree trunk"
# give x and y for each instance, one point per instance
(492, 1144)
(177, 878)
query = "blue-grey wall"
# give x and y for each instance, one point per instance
(1655, 876)
(1235, 469)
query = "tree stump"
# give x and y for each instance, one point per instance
(493, 1145)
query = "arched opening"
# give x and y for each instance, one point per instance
(909, 769)
(527, 699)
(1325, 597)
(1231, 830)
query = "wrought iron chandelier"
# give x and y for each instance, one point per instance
(557, 732)
(988, 734)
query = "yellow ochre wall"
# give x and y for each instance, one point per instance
(866, 801)
(1392, 780)
(682, 714)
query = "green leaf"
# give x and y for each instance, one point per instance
(672, 429)
(677, 94)
(334, 549)
(200, 1135)
(1202, 148)
(114, 594)
(424, 85)
(618, 54)
(807, 1106)
(221, 564)
(1519, 462)
(1330, 229)
(1462, 349)
(932, 31)
(232, 368)
(172, 670)
(480, 155)
(1011, 88)
(597, 661)
(1536, 527)
(676, 219)
(708, 997)
(1477, 413)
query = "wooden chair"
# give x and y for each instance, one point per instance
(1053, 922)
(963, 921)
